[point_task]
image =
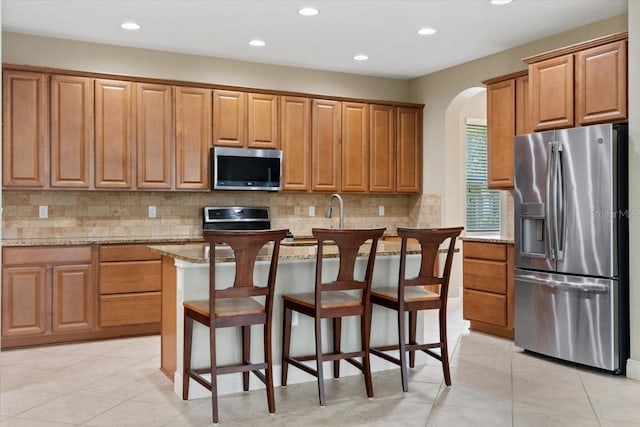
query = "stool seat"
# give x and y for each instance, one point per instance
(330, 299)
(226, 307)
(411, 294)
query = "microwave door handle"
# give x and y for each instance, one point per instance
(548, 204)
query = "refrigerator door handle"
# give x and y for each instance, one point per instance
(548, 204)
(559, 286)
(561, 199)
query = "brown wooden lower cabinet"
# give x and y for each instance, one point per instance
(488, 287)
(55, 294)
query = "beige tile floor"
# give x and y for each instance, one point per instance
(117, 383)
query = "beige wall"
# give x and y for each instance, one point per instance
(73, 55)
(634, 190)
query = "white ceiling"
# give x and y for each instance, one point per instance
(385, 30)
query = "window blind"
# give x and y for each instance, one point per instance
(483, 205)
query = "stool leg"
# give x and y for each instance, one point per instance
(337, 332)
(186, 351)
(413, 321)
(286, 341)
(320, 373)
(214, 372)
(444, 352)
(271, 403)
(365, 329)
(246, 355)
(402, 342)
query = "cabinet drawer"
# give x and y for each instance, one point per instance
(127, 253)
(30, 255)
(485, 307)
(492, 251)
(129, 309)
(132, 276)
(490, 276)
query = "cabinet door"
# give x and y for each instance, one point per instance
(154, 136)
(501, 118)
(262, 116)
(113, 133)
(24, 301)
(71, 131)
(355, 146)
(409, 155)
(229, 118)
(551, 92)
(295, 127)
(326, 145)
(382, 156)
(524, 121)
(24, 132)
(601, 83)
(73, 298)
(193, 137)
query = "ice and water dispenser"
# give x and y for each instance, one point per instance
(532, 226)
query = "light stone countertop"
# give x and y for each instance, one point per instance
(58, 241)
(487, 238)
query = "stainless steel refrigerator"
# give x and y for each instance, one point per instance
(571, 244)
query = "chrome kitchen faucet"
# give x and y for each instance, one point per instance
(329, 210)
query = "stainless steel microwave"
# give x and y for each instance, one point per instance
(246, 169)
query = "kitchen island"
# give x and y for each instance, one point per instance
(185, 270)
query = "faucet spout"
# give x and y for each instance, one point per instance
(340, 206)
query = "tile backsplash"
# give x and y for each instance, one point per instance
(113, 214)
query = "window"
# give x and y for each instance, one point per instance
(483, 205)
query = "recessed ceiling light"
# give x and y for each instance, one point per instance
(500, 2)
(308, 11)
(130, 26)
(257, 43)
(361, 57)
(426, 31)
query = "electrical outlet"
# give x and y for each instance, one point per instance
(294, 318)
(152, 211)
(381, 210)
(43, 211)
(312, 211)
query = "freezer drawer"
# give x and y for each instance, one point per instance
(568, 317)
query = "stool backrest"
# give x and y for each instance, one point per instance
(245, 246)
(348, 242)
(430, 240)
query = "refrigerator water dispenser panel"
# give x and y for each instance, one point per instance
(532, 223)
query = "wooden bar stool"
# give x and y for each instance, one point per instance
(330, 301)
(410, 296)
(234, 306)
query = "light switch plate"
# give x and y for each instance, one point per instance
(43, 211)
(381, 210)
(152, 211)
(312, 211)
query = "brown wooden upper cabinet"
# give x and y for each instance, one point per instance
(193, 137)
(326, 134)
(113, 134)
(242, 119)
(154, 136)
(295, 129)
(580, 85)
(507, 116)
(25, 135)
(355, 147)
(408, 150)
(382, 148)
(71, 131)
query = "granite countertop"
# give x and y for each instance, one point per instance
(198, 252)
(57, 241)
(487, 238)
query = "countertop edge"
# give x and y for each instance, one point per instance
(487, 239)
